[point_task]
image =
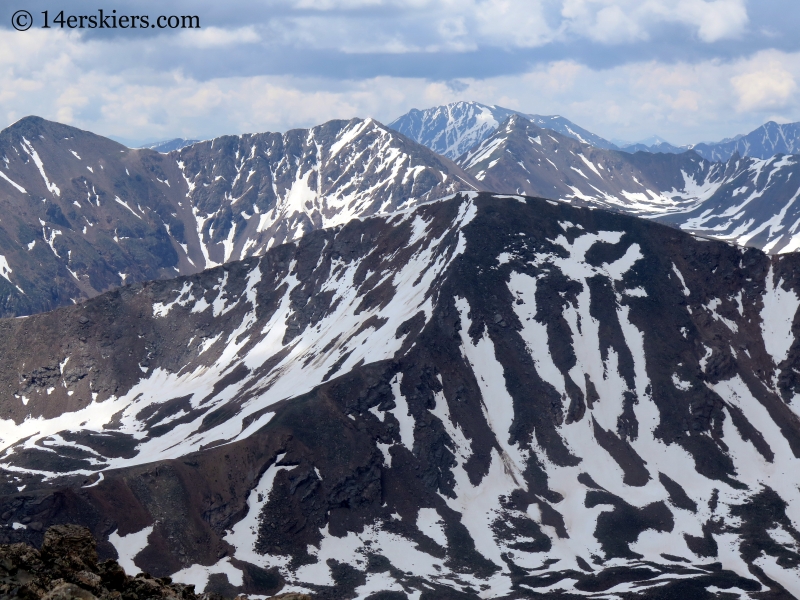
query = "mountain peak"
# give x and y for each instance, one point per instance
(33, 126)
(453, 129)
(83, 214)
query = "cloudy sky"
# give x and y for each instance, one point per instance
(687, 70)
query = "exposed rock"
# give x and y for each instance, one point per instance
(66, 568)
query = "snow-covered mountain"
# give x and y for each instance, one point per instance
(251, 192)
(453, 129)
(522, 158)
(480, 397)
(765, 142)
(170, 145)
(755, 203)
(83, 214)
(747, 201)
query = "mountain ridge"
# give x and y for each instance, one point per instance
(455, 128)
(746, 201)
(84, 214)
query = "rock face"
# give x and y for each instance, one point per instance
(749, 201)
(481, 397)
(83, 214)
(80, 215)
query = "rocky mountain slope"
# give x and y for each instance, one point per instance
(747, 201)
(755, 204)
(83, 214)
(522, 158)
(452, 129)
(480, 397)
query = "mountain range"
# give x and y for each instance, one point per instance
(83, 214)
(335, 361)
(747, 201)
(453, 129)
(765, 142)
(475, 397)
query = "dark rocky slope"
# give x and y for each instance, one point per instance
(482, 397)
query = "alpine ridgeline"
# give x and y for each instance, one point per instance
(452, 129)
(83, 214)
(765, 142)
(748, 201)
(479, 397)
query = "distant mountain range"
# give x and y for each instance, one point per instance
(765, 142)
(452, 129)
(748, 201)
(170, 145)
(83, 214)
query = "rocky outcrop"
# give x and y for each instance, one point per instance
(67, 568)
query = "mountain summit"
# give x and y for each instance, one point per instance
(453, 129)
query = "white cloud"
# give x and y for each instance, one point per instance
(510, 22)
(60, 76)
(217, 37)
(715, 20)
(463, 25)
(622, 21)
(765, 85)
